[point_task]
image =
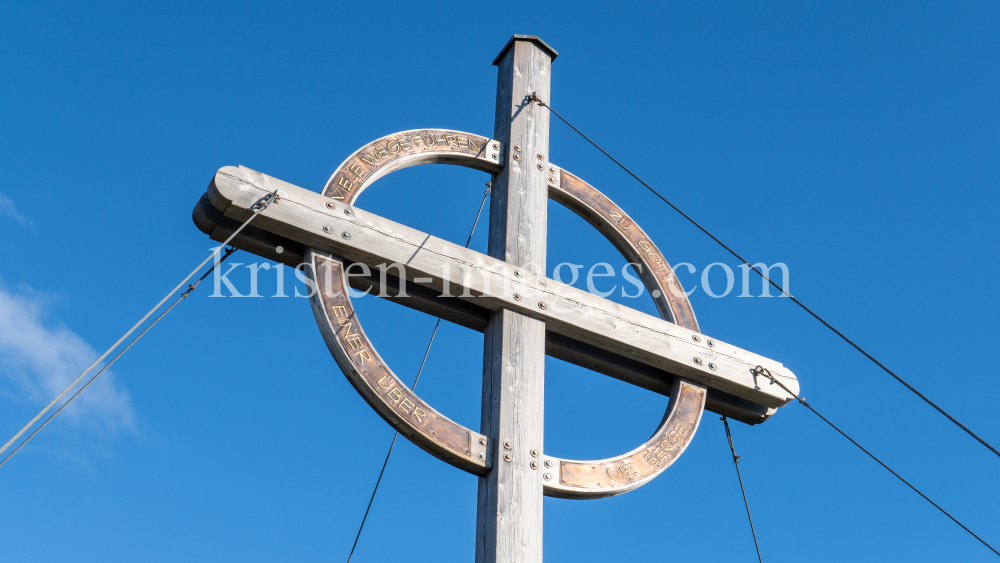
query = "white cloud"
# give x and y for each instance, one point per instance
(8, 208)
(38, 359)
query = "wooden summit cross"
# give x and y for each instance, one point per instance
(506, 295)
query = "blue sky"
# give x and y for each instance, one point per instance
(856, 143)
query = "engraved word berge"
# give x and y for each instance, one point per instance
(235, 189)
(505, 294)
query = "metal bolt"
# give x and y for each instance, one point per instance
(507, 457)
(327, 229)
(330, 205)
(517, 297)
(517, 273)
(496, 146)
(517, 157)
(482, 456)
(517, 148)
(534, 465)
(506, 444)
(346, 235)
(541, 166)
(482, 441)
(495, 156)
(541, 305)
(543, 282)
(552, 169)
(696, 338)
(711, 366)
(548, 463)
(552, 181)
(534, 453)
(697, 361)
(547, 477)
(348, 211)
(711, 344)
(540, 156)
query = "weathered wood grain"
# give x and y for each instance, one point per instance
(509, 519)
(302, 215)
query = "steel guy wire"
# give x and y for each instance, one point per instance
(540, 102)
(183, 296)
(736, 462)
(766, 373)
(415, 381)
(257, 208)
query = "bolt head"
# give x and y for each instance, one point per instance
(711, 366)
(517, 297)
(482, 456)
(547, 477)
(534, 453)
(548, 463)
(482, 441)
(543, 282)
(496, 146)
(517, 148)
(534, 465)
(517, 157)
(541, 305)
(540, 156)
(696, 338)
(348, 211)
(697, 361)
(327, 229)
(330, 205)
(711, 343)
(541, 166)
(506, 444)
(346, 235)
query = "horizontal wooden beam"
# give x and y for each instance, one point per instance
(305, 217)
(468, 314)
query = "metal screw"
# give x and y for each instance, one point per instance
(330, 205)
(543, 282)
(517, 273)
(517, 148)
(482, 456)
(517, 157)
(552, 181)
(548, 463)
(541, 305)
(494, 156)
(696, 338)
(711, 344)
(482, 441)
(547, 477)
(711, 366)
(348, 211)
(346, 235)
(534, 453)
(507, 457)
(534, 465)
(697, 361)
(552, 169)
(517, 297)
(496, 146)
(506, 444)
(540, 156)
(327, 229)
(541, 166)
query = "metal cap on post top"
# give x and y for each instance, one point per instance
(534, 38)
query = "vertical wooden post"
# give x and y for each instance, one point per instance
(509, 522)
